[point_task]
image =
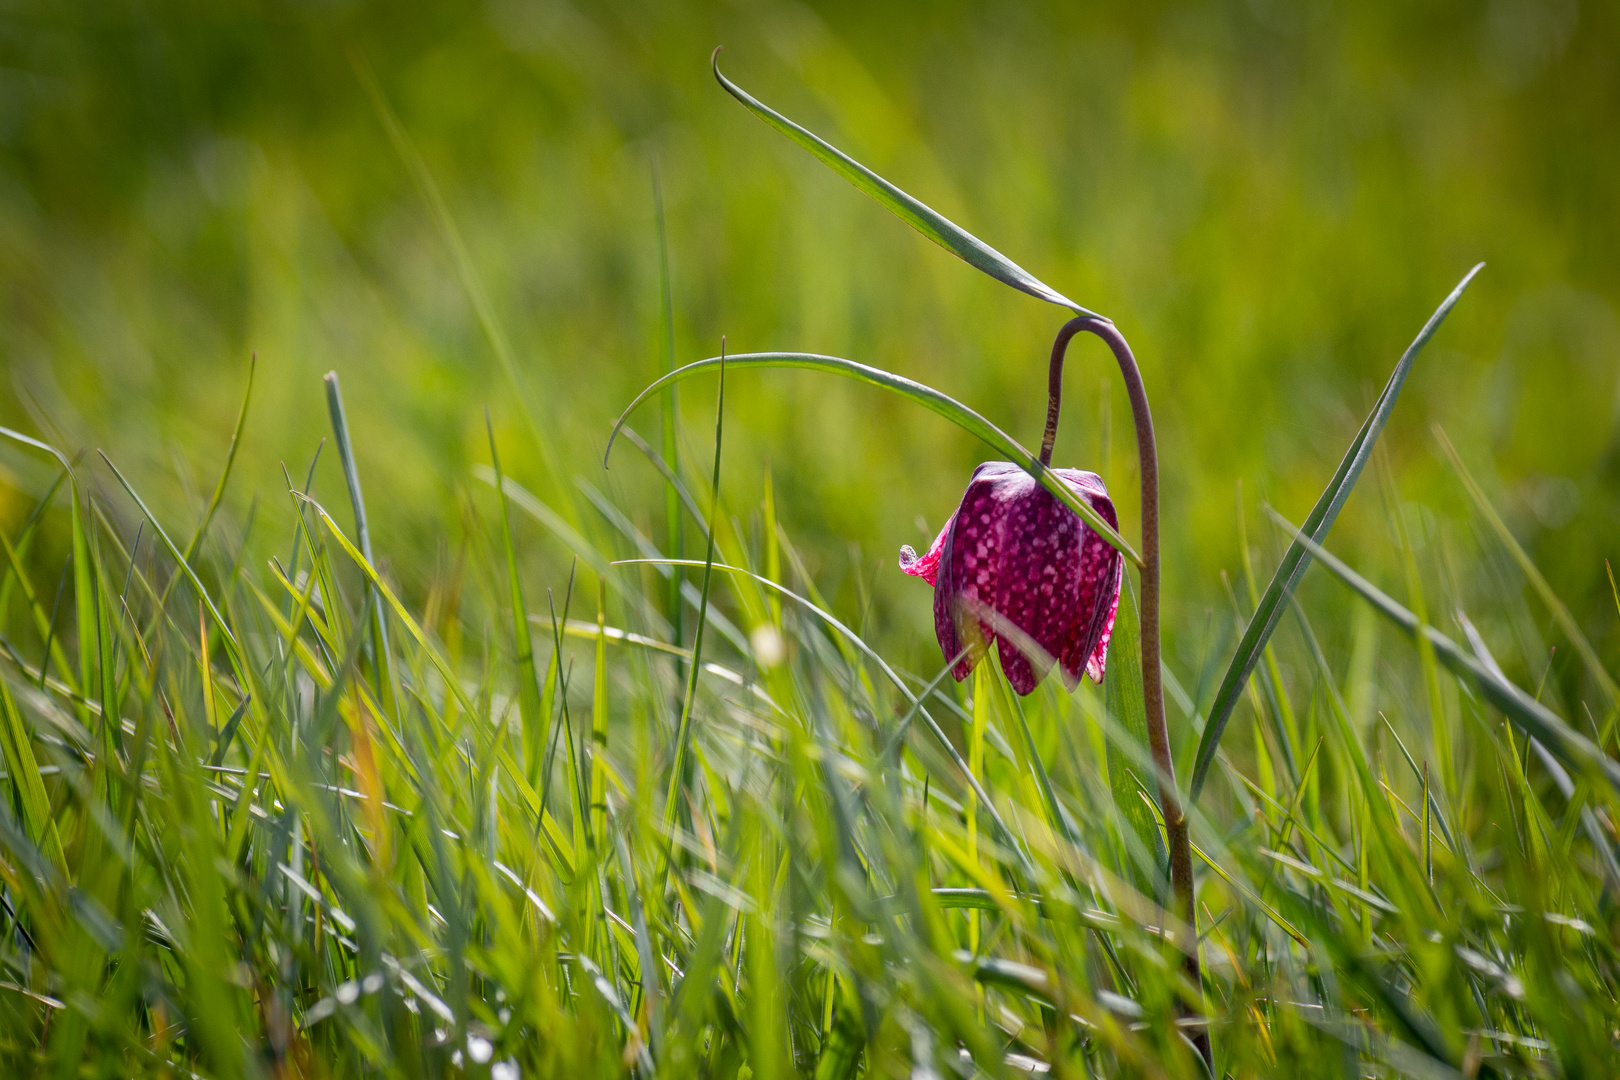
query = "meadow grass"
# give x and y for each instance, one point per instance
(268, 812)
(509, 830)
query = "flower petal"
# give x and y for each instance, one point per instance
(1038, 588)
(926, 566)
(1016, 567)
(1098, 569)
(1098, 660)
(967, 570)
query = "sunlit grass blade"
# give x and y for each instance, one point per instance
(1287, 727)
(1574, 750)
(536, 723)
(926, 396)
(674, 524)
(683, 736)
(935, 226)
(1122, 690)
(1297, 558)
(451, 680)
(380, 657)
(17, 742)
(599, 724)
(44, 622)
(220, 485)
(915, 700)
(183, 565)
(1560, 611)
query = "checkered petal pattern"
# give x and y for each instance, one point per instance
(1016, 568)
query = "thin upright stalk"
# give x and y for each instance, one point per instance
(1175, 819)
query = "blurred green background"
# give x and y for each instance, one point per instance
(1269, 199)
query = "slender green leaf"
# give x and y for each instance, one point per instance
(677, 777)
(536, 722)
(932, 224)
(674, 524)
(1560, 612)
(854, 639)
(381, 657)
(1574, 750)
(926, 396)
(185, 567)
(452, 681)
(1122, 688)
(17, 743)
(219, 486)
(1297, 558)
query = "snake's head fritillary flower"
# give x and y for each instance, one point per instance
(1013, 556)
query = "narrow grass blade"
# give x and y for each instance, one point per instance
(446, 672)
(351, 475)
(535, 722)
(935, 226)
(1122, 689)
(44, 623)
(106, 664)
(1560, 613)
(926, 396)
(1297, 558)
(1440, 726)
(674, 524)
(1287, 727)
(1574, 750)
(84, 598)
(220, 485)
(599, 722)
(81, 560)
(17, 742)
(683, 735)
(915, 700)
(184, 566)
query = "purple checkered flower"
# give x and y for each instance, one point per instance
(1015, 563)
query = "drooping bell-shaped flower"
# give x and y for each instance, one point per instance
(1015, 566)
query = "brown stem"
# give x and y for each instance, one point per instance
(1175, 820)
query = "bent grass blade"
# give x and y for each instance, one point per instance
(926, 396)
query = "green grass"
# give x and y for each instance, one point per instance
(281, 798)
(335, 833)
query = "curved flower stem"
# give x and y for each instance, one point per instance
(1175, 819)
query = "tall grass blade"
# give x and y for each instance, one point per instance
(45, 624)
(915, 700)
(381, 658)
(534, 720)
(219, 486)
(935, 226)
(683, 732)
(1574, 750)
(1122, 690)
(1297, 558)
(17, 742)
(674, 524)
(1560, 612)
(182, 564)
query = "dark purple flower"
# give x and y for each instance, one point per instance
(1013, 556)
